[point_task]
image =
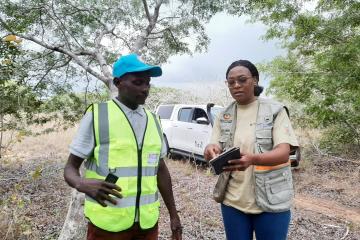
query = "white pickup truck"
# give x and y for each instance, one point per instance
(187, 128)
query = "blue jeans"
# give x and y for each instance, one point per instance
(267, 226)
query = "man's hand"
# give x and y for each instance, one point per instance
(211, 151)
(240, 164)
(99, 190)
(94, 188)
(176, 228)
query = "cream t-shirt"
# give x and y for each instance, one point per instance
(240, 193)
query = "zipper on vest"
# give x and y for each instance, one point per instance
(138, 194)
(139, 159)
(139, 177)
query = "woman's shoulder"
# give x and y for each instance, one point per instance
(275, 107)
(270, 101)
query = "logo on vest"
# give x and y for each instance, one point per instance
(267, 119)
(227, 116)
(152, 158)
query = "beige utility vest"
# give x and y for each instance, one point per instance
(273, 184)
(116, 151)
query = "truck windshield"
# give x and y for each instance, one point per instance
(165, 111)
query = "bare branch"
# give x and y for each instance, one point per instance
(121, 38)
(173, 37)
(152, 38)
(50, 69)
(103, 65)
(164, 18)
(146, 10)
(159, 32)
(70, 54)
(141, 40)
(63, 25)
(59, 24)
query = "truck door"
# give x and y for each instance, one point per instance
(181, 129)
(200, 134)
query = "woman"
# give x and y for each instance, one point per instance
(259, 191)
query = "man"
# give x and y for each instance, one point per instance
(123, 145)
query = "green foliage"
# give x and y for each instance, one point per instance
(8, 52)
(27, 99)
(322, 68)
(18, 101)
(76, 26)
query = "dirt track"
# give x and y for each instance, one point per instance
(34, 198)
(328, 208)
(312, 217)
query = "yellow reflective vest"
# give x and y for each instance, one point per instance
(116, 151)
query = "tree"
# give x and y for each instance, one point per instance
(86, 37)
(23, 103)
(16, 102)
(92, 34)
(322, 68)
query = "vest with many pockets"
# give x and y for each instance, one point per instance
(116, 151)
(273, 184)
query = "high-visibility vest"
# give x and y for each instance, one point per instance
(116, 151)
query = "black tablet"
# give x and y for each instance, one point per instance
(220, 161)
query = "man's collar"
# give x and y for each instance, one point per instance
(139, 109)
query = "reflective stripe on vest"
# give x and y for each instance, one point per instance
(103, 117)
(129, 201)
(116, 151)
(122, 171)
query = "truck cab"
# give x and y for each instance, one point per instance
(187, 128)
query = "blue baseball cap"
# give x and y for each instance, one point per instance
(131, 63)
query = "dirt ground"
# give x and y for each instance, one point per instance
(34, 198)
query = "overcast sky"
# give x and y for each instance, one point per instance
(231, 39)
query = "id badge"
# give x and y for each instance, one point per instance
(153, 158)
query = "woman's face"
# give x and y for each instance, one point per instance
(241, 85)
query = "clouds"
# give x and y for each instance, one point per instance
(231, 39)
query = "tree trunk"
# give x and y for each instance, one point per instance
(75, 225)
(1, 131)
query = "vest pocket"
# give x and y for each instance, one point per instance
(264, 141)
(274, 190)
(278, 190)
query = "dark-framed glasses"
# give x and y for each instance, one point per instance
(231, 83)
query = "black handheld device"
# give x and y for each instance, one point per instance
(220, 161)
(111, 178)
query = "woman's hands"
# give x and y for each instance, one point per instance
(279, 155)
(240, 164)
(211, 151)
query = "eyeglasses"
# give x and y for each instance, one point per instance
(231, 83)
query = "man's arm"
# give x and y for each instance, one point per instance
(96, 189)
(165, 188)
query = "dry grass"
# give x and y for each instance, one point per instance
(34, 196)
(51, 145)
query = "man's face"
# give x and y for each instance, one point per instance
(134, 88)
